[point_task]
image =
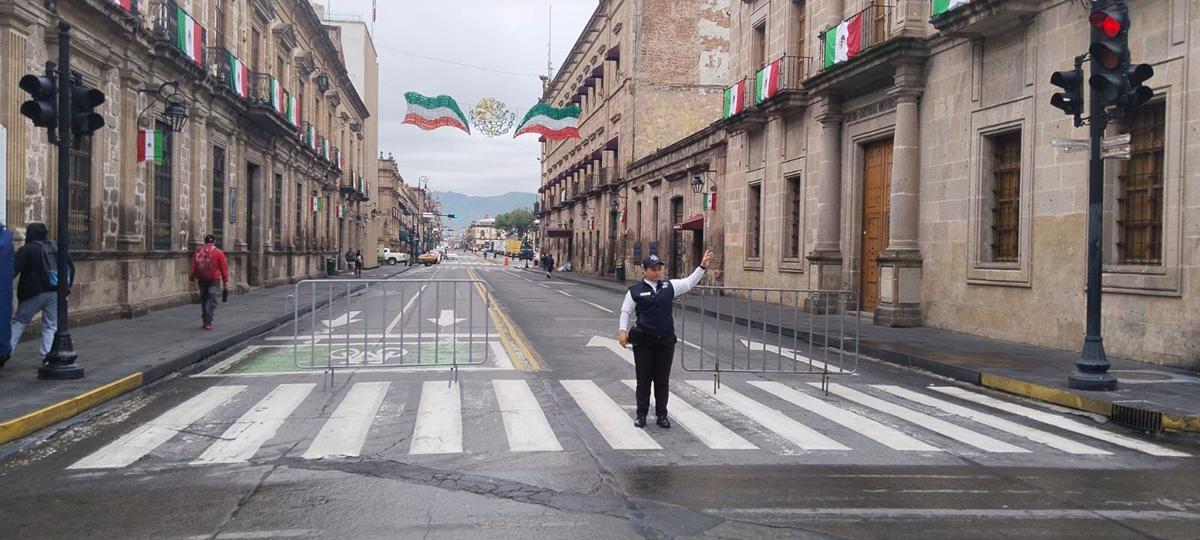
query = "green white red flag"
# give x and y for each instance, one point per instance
(709, 201)
(277, 92)
(126, 5)
(766, 82)
(150, 145)
(430, 113)
(189, 36)
(553, 123)
(844, 41)
(239, 77)
(942, 6)
(735, 99)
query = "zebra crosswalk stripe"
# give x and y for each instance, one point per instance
(702, 426)
(613, 424)
(145, 438)
(344, 434)
(439, 420)
(934, 424)
(885, 435)
(995, 422)
(524, 422)
(242, 440)
(795, 432)
(1061, 422)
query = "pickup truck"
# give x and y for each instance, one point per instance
(429, 258)
(389, 257)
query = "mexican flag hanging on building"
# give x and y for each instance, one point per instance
(317, 204)
(189, 36)
(239, 77)
(150, 145)
(942, 6)
(310, 136)
(126, 5)
(341, 211)
(277, 102)
(844, 41)
(766, 82)
(553, 123)
(735, 99)
(709, 200)
(430, 113)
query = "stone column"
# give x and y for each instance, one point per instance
(12, 68)
(825, 259)
(900, 263)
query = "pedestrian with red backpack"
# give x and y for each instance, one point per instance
(209, 269)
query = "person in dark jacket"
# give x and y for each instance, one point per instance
(37, 290)
(548, 264)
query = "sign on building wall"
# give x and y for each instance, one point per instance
(3, 174)
(233, 205)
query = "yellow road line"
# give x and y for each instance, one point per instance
(19, 427)
(510, 337)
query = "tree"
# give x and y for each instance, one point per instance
(519, 220)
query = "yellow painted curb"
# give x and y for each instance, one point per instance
(1181, 423)
(1046, 393)
(19, 427)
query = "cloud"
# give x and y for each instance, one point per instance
(508, 38)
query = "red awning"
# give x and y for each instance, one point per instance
(557, 232)
(694, 223)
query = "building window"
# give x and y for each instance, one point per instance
(654, 218)
(298, 230)
(218, 196)
(799, 8)
(758, 46)
(79, 226)
(219, 23)
(256, 50)
(754, 222)
(638, 219)
(1006, 197)
(163, 184)
(792, 215)
(1140, 185)
(277, 211)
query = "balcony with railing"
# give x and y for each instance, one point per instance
(268, 102)
(178, 35)
(861, 53)
(780, 84)
(981, 18)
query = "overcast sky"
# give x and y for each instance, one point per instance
(501, 35)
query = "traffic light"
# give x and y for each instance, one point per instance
(1110, 53)
(42, 108)
(84, 100)
(452, 216)
(1070, 100)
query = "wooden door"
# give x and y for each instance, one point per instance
(877, 174)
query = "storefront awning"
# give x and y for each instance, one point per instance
(557, 232)
(694, 223)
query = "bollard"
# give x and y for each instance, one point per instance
(506, 260)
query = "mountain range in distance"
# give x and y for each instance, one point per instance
(472, 207)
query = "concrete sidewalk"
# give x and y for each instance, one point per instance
(124, 354)
(1149, 396)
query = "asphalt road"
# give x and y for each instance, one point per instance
(473, 400)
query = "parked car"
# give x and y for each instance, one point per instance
(429, 259)
(387, 256)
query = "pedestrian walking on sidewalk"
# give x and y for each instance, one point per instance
(350, 260)
(37, 290)
(653, 337)
(358, 263)
(548, 264)
(209, 269)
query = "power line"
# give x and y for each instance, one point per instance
(457, 63)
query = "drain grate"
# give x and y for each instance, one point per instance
(1137, 418)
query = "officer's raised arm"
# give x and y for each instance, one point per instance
(682, 286)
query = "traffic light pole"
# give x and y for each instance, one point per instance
(60, 362)
(1091, 370)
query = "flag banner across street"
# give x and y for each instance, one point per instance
(430, 113)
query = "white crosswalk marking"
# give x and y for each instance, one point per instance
(1061, 422)
(240, 442)
(995, 422)
(934, 424)
(613, 424)
(344, 434)
(885, 435)
(144, 439)
(799, 434)
(524, 422)
(439, 420)
(704, 427)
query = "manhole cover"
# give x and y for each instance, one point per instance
(1150, 376)
(1143, 375)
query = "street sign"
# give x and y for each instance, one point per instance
(1116, 140)
(1121, 151)
(1071, 145)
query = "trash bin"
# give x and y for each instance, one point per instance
(620, 272)
(331, 266)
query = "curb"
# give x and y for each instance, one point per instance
(11, 430)
(1047, 394)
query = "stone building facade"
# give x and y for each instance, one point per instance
(399, 208)
(265, 169)
(481, 233)
(646, 74)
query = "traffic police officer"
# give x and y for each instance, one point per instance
(653, 337)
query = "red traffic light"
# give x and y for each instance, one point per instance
(1110, 22)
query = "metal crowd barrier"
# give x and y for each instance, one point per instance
(763, 330)
(390, 323)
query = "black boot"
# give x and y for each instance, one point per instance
(663, 422)
(640, 422)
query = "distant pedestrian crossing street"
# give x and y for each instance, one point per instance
(413, 419)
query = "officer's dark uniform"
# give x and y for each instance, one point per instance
(653, 339)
